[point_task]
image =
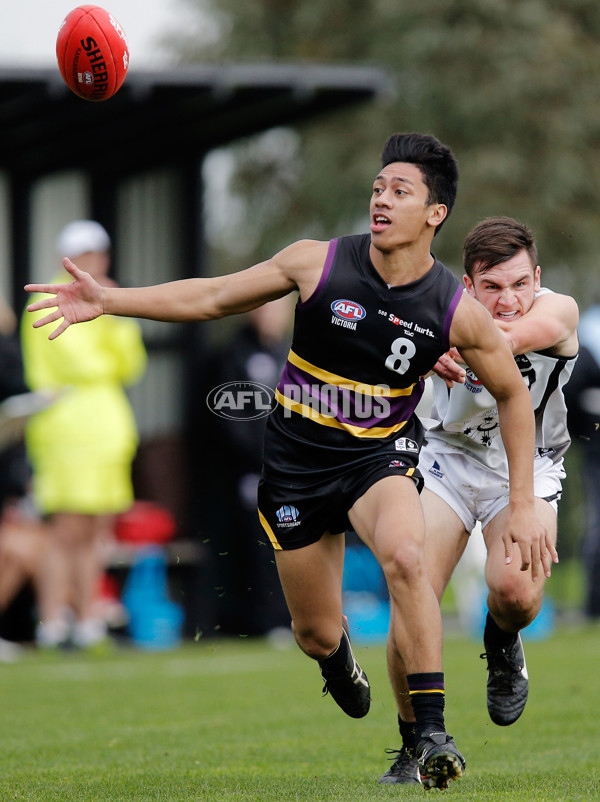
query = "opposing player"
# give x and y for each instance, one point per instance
(341, 447)
(465, 468)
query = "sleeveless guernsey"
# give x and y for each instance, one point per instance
(354, 372)
(465, 418)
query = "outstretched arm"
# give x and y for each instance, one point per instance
(296, 267)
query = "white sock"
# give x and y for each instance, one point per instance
(52, 633)
(88, 632)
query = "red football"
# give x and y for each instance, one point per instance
(92, 53)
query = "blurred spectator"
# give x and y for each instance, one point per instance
(582, 395)
(82, 476)
(21, 548)
(251, 599)
(20, 534)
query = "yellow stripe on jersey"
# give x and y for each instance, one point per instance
(348, 384)
(325, 420)
(429, 690)
(269, 531)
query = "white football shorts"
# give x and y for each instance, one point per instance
(476, 493)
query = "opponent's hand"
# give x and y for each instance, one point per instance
(75, 302)
(448, 369)
(536, 548)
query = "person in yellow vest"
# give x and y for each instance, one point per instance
(81, 447)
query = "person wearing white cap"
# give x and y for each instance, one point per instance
(81, 477)
(82, 236)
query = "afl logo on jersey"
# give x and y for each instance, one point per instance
(348, 310)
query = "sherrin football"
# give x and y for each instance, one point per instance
(92, 53)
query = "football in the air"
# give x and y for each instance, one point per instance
(92, 53)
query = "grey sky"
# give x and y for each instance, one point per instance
(28, 31)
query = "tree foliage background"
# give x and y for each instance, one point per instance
(510, 85)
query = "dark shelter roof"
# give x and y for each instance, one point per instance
(162, 118)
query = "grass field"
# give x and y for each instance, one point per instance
(239, 720)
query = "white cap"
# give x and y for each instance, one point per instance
(82, 236)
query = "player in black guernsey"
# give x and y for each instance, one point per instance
(375, 313)
(388, 337)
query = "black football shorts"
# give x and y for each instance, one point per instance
(295, 515)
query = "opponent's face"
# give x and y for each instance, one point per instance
(506, 290)
(399, 210)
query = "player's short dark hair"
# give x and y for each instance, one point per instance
(436, 162)
(496, 240)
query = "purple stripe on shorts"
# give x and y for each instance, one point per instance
(324, 275)
(450, 315)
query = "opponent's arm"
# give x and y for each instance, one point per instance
(296, 267)
(487, 354)
(551, 323)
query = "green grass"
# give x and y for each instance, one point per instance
(239, 720)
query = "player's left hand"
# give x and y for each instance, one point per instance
(448, 369)
(536, 548)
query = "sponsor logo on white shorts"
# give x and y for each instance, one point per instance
(435, 470)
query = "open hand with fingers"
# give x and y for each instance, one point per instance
(74, 302)
(534, 541)
(450, 368)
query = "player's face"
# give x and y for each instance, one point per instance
(399, 209)
(507, 290)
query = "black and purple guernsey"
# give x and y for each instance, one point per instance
(354, 372)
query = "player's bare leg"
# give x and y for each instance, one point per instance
(445, 541)
(514, 600)
(389, 519)
(311, 578)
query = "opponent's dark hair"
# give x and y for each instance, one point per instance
(435, 160)
(496, 240)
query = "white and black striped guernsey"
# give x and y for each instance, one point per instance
(466, 417)
(352, 380)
